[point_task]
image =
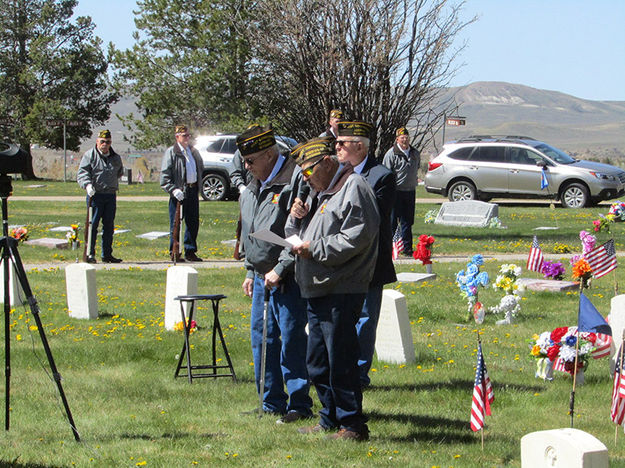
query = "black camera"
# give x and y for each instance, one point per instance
(12, 159)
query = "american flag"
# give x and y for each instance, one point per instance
(398, 243)
(602, 259)
(483, 394)
(535, 259)
(617, 411)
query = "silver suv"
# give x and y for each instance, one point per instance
(484, 167)
(217, 153)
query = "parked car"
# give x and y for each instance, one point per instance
(217, 152)
(484, 167)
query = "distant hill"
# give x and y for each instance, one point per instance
(582, 127)
(576, 125)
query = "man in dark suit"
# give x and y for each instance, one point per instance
(354, 149)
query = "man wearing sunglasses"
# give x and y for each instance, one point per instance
(181, 174)
(352, 147)
(99, 172)
(265, 206)
(333, 267)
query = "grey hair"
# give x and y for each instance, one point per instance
(364, 140)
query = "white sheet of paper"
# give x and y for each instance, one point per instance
(269, 236)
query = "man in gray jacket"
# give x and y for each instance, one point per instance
(403, 159)
(99, 172)
(181, 174)
(265, 207)
(339, 228)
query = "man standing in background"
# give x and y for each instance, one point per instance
(403, 160)
(99, 172)
(352, 146)
(332, 130)
(181, 174)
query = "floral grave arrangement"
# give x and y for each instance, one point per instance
(423, 251)
(468, 281)
(553, 270)
(430, 216)
(20, 234)
(558, 348)
(72, 235)
(179, 326)
(506, 281)
(617, 210)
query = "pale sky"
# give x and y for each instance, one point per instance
(573, 46)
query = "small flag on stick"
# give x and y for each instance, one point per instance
(602, 259)
(483, 394)
(589, 319)
(617, 412)
(398, 243)
(535, 259)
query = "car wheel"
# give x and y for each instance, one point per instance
(214, 187)
(462, 190)
(574, 196)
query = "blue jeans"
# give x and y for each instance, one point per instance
(191, 216)
(333, 359)
(286, 347)
(104, 208)
(403, 213)
(366, 328)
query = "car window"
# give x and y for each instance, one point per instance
(461, 154)
(230, 146)
(524, 156)
(215, 146)
(488, 154)
(557, 155)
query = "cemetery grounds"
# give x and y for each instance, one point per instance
(129, 410)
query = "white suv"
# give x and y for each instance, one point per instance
(484, 167)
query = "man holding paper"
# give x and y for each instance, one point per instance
(265, 207)
(334, 266)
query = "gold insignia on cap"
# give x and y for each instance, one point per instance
(401, 131)
(355, 128)
(181, 129)
(104, 134)
(336, 114)
(312, 149)
(255, 139)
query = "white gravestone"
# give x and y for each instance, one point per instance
(82, 293)
(563, 448)
(617, 323)
(467, 213)
(408, 277)
(393, 341)
(181, 281)
(15, 289)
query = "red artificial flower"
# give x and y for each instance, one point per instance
(592, 337)
(558, 333)
(423, 252)
(552, 352)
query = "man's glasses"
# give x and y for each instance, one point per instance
(340, 143)
(108, 142)
(309, 170)
(185, 135)
(251, 161)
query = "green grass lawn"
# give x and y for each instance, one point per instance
(118, 377)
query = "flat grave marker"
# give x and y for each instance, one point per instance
(471, 213)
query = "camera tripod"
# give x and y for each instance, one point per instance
(8, 250)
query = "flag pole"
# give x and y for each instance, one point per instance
(614, 272)
(572, 399)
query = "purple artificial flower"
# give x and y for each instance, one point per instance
(553, 270)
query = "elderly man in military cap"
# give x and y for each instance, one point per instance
(403, 159)
(332, 130)
(181, 175)
(98, 173)
(265, 207)
(352, 146)
(339, 227)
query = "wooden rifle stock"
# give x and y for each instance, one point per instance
(85, 251)
(236, 253)
(175, 251)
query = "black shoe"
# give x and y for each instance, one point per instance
(191, 257)
(291, 417)
(91, 259)
(111, 259)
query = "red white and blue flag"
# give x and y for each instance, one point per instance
(483, 394)
(535, 259)
(398, 243)
(602, 259)
(617, 411)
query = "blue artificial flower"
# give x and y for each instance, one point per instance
(571, 340)
(482, 278)
(478, 259)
